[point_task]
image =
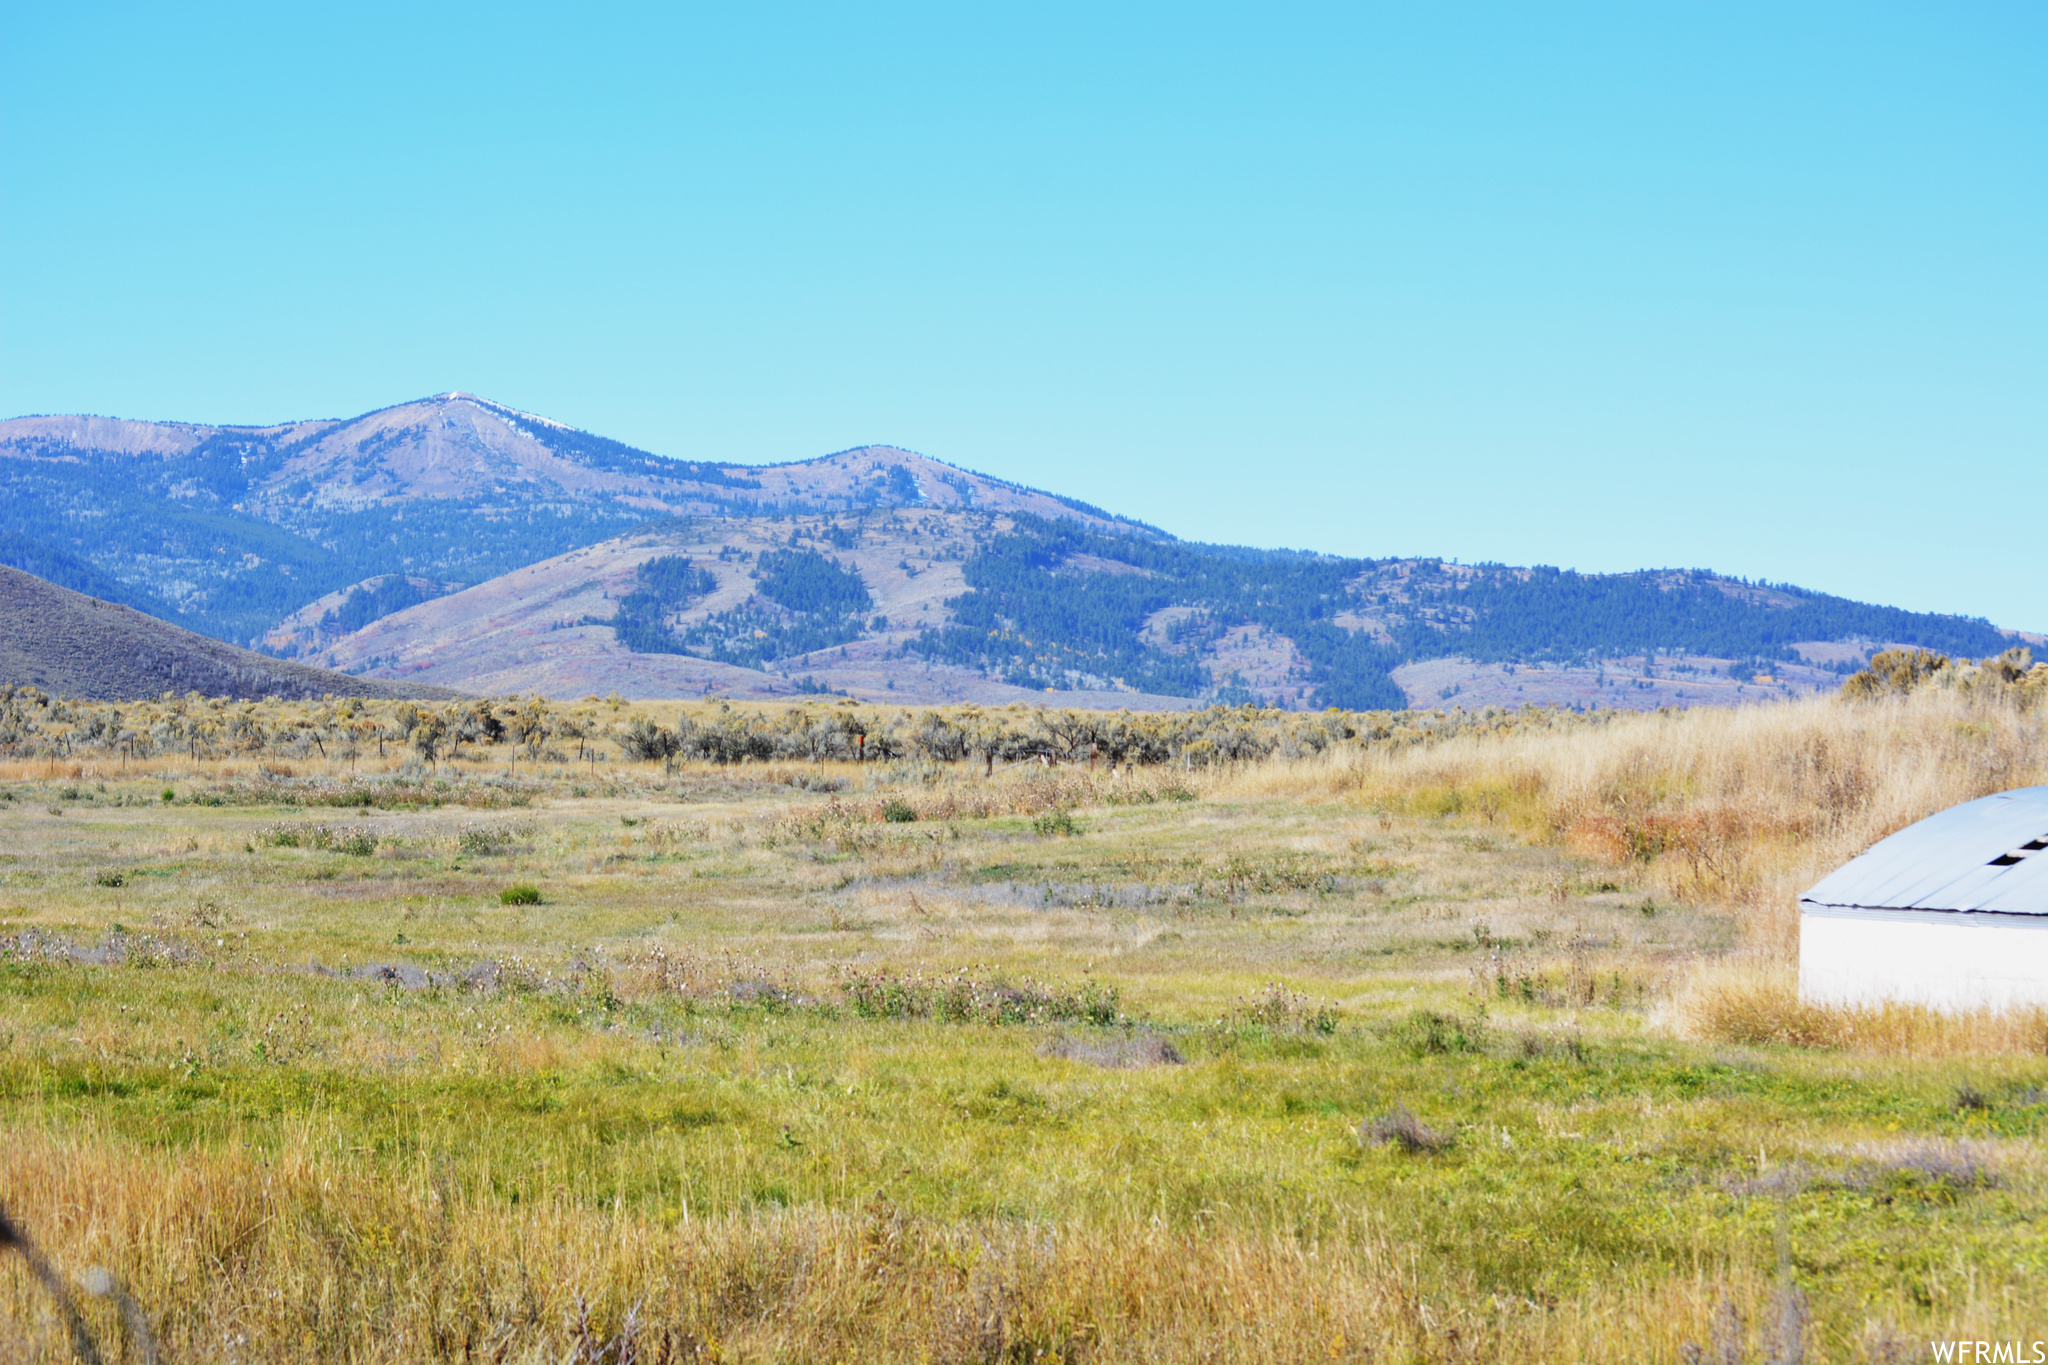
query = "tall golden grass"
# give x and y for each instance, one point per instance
(1741, 807)
(305, 1255)
(1758, 1003)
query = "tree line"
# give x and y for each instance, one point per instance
(1499, 615)
(1032, 618)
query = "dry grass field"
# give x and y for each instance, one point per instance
(1459, 1041)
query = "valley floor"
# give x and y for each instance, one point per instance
(901, 1063)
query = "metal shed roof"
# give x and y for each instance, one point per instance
(1989, 855)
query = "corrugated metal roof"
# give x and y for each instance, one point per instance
(1970, 857)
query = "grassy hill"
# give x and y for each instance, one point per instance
(68, 644)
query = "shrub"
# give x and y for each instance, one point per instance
(962, 997)
(481, 839)
(1055, 824)
(1894, 672)
(1564, 1043)
(898, 812)
(351, 839)
(1119, 1050)
(110, 879)
(1950, 1165)
(1430, 1034)
(519, 895)
(644, 740)
(1404, 1130)
(1277, 1010)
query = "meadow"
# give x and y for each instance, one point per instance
(331, 1033)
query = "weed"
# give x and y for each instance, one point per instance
(1120, 1050)
(1402, 1129)
(966, 997)
(1573, 983)
(1430, 1033)
(1276, 1010)
(1951, 1165)
(522, 894)
(356, 840)
(1566, 1043)
(484, 839)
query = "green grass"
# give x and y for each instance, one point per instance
(698, 1024)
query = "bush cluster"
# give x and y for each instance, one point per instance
(2012, 675)
(352, 839)
(962, 997)
(519, 730)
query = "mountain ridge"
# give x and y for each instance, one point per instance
(228, 529)
(361, 542)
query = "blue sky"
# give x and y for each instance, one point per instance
(1754, 287)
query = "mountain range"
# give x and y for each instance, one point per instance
(460, 543)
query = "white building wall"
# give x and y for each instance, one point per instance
(1949, 961)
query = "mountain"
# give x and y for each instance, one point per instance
(71, 645)
(460, 542)
(602, 619)
(930, 605)
(228, 530)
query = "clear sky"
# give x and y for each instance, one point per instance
(1762, 288)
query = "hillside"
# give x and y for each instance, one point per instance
(464, 543)
(554, 627)
(945, 606)
(229, 530)
(70, 645)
